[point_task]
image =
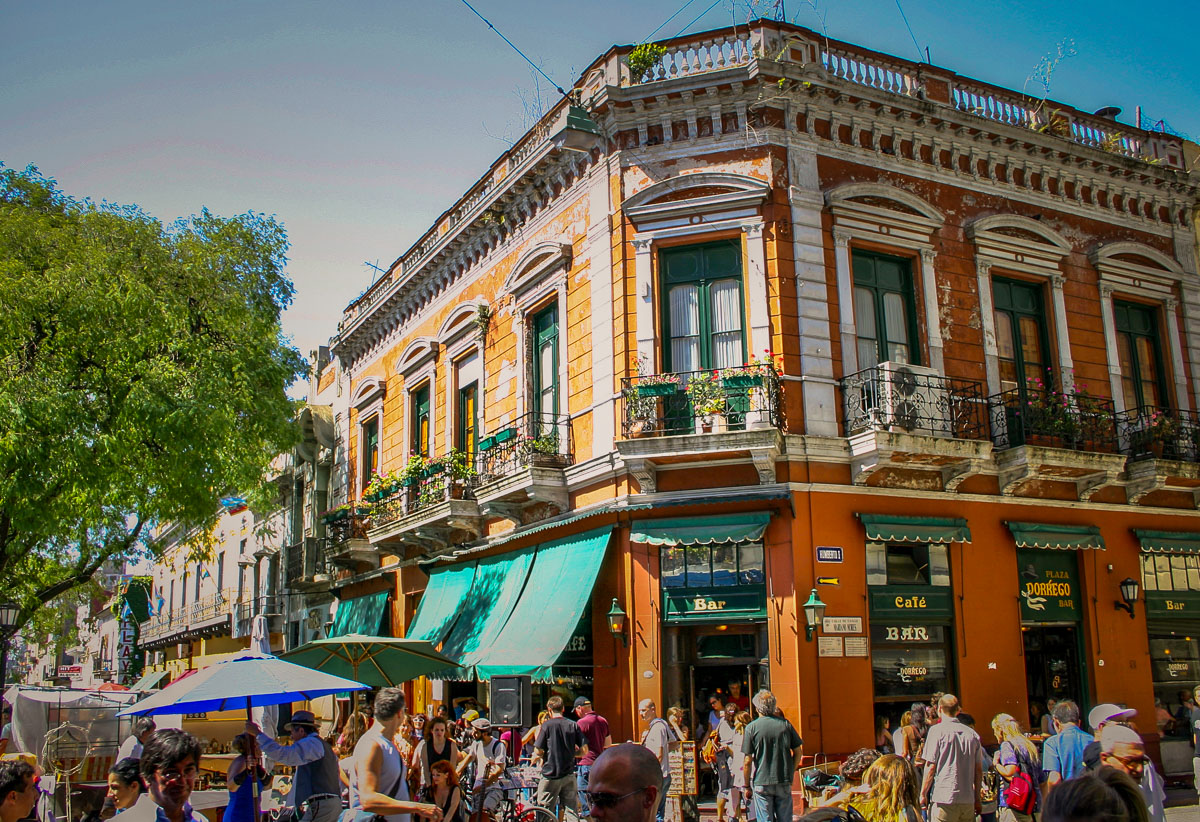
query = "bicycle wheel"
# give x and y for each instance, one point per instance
(534, 813)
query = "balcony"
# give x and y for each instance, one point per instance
(1045, 436)
(693, 416)
(209, 616)
(347, 544)
(247, 609)
(308, 567)
(430, 512)
(520, 468)
(1163, 447)
(910, 427)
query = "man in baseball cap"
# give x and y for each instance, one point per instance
(491, 758)
(1098, 717)
(596, 732)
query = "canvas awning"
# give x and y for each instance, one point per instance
(363, 615)
(1168, 542)
(1056, 537)
(559, 587)
(729, 528)
(442, 601)
(148, 681)
(890, 528)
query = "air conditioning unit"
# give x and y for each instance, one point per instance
(912, 398)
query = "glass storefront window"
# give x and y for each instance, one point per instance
(1171, 572)
(750, 564)
(1174, 667)
(671, 560)
(699, 569)
(910, 662)
(724, 565)
(909, 564)
(704, 566)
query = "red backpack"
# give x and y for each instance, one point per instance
(1021, 794)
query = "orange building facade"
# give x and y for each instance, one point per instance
(783, 319)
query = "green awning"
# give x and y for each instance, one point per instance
(441, 602)
(731, 528)
(886, 528)
(148, 681)
(1168, 542)
(1056, 537)
(363, 615)
(559, 586)
(485, 610)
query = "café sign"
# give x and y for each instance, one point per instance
(1048, 585)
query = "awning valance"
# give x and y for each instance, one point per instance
(363, 615)
(442, 601)
(148, 681)
(1056, 537)
(889, 528)
(485, 610)
(559, 587)
(1168, 542)
(730, 528)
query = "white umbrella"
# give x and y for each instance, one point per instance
(266, 717)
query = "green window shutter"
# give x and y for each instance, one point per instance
(703, 317)
(420, 418)
(884, 310)
(1140, 353)
(1021, 334)
(545, 361)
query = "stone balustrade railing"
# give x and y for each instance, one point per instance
(687, 57)
(866, 71)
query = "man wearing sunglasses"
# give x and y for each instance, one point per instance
(170, 764)
(625, 785)
(1122, 748)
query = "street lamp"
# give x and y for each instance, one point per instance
(9, 613)
(616, 622)
(814, 612)
(1129, 593)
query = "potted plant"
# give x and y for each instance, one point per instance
(1155, 430)
(461, 468)
(642, 59)
(707, 398)
(657, 385)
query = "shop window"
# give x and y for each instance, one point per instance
(908, 564)
(706, 566)
(420, 421)
(910, 662)
(370, 450)
(702, 320)
(1170, 572)
(1140, 354)
(1021, 340)
(884, 311)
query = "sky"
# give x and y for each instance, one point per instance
(357, 123)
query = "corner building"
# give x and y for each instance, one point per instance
(800, 316)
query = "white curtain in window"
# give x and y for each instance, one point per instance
(685, 328)
(726, 324)
(864, 318)
(897, 327)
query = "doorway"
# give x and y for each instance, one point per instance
(1052, 669)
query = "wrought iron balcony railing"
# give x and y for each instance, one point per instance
(701, 402)
(533, 439)
(439, 481)
(1057, 419)
(351, 525)
(897, 397)
(1149, 432)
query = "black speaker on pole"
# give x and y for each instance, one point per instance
(511, 701)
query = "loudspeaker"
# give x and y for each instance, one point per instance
(511, 701)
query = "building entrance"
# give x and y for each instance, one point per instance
(1052, 664)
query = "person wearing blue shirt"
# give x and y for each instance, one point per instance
(1062, 754)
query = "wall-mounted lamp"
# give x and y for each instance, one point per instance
(814, 612)
(1129, 593)
(616, 622)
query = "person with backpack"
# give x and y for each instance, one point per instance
(1020, 769)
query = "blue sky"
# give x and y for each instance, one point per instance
(357, 123)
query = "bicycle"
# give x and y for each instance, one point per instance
(514, 805)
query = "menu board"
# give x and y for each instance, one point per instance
(685, 780)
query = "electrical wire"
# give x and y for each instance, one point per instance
(697, 17)
(678, 12)
(903, 17)
(536, 68)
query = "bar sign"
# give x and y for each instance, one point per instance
(829, 553)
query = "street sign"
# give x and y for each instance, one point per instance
(828, 581)
(829, 553)
(842, 625)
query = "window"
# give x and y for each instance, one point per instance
(221, 570)
(910, 662)
(183, 589)
(420, 421)
(706, 566)
(171, 601)
(702, 315)
(1140, 355)
(370, 450)
(198, 580)
(883, 310)
(1021, 341)
(545, 362)
(908, 564)
(1171, 572)
(468, 426)
(241, 575)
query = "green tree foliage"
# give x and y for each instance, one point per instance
(142, 375)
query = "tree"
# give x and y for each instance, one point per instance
(143, 374)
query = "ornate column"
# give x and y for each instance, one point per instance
(1110, 347)
(845, 288)
(759, 313)
(1059, 303)
(933, 312)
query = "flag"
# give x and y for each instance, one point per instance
(159, 603)
(204, 574)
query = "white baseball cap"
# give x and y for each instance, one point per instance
(1107, 712)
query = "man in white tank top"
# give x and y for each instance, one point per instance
(378, 785)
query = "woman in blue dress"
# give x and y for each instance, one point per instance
(245, 778)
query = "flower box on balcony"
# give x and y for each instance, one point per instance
(657, 389)
(487, 443)
(742, 380)
(335, 516)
